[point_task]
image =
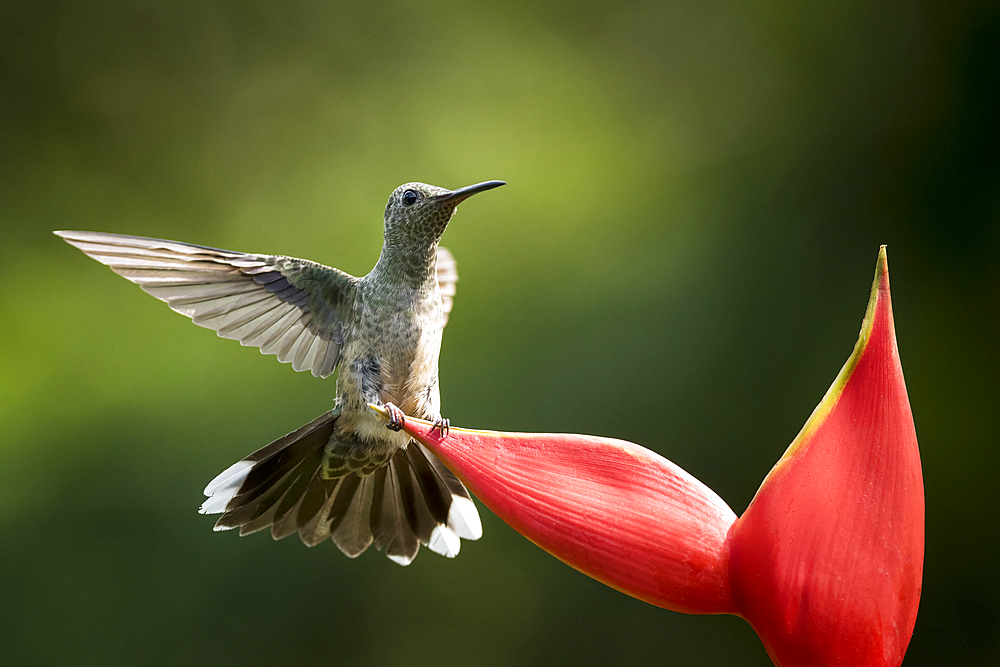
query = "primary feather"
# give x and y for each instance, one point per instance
(285, 306)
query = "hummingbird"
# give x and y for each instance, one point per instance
(346, 475)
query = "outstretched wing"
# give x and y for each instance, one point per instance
(285, 306)
(447, 275)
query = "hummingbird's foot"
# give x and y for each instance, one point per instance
(443, 426)
(396, 418)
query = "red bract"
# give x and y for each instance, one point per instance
(826, 562)
(613, 510)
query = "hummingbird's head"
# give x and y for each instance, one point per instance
(418, 213)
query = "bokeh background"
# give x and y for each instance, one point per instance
(682, 258)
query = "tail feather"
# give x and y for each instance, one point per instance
(313, 500)
(412, 500)
(259, 521)
(354, 534)
(285, 524)
(238, 492)
(342, 502)
(418, 515)
(432, 487)
(457, 511)
(266, 500)
(287, 512)
(275, 460)
(317, 529)
(463, 517)
(392, 531)
(434, 490)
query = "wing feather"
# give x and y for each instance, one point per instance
(285, 306)
(447, 275)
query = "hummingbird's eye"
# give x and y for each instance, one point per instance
(410, 197)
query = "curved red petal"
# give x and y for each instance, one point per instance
(826, 562)
(611, 509)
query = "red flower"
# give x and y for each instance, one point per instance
(826, 562)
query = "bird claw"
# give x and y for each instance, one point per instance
(396, 418)
(442, 426)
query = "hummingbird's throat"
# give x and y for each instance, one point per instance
(410, 265)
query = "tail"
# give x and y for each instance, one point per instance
(411, 501)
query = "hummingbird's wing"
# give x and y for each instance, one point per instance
(285, 306)
(447, 274)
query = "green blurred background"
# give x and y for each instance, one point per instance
(682, 258)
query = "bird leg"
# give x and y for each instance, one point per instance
(396, 418)
(442, 425)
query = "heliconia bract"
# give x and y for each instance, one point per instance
(825, 563)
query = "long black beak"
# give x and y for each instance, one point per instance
(466, 192)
